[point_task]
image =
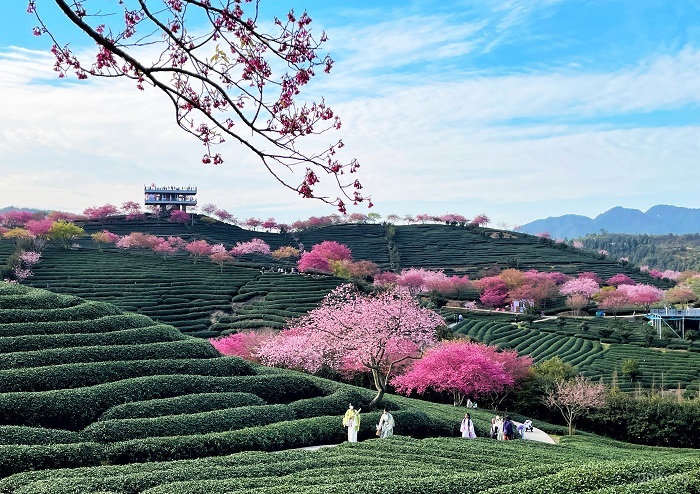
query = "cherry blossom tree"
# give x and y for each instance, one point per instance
(620, 279)
(226, 77)
(538, 287)
(644, 295)
(353, 332)
(40, 230)
(15, 218)
(680, 294)
(253, 223)
(103, 238)
(579, 291)
(254, 246)
(613, 300)
(317, 259)
(244, 344)
(464, 370)
(574, 397)
(164, 248)
(494, 291)
(198, 248)
(480, 220)
(220, 258)
(269, 224)
(181, 217)
(132, 211)
(99, 213)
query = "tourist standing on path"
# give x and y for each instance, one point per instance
(493, 433)
(508, 429)
(385, 427)
(351, 420)
(499, 425)
(467, 427)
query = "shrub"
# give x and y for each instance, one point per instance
(193, 403)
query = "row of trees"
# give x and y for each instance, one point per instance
(388, 335)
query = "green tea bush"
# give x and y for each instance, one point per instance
(183, 349)
(84, 311)
(74, 409)
(19, 435)
(151, 334)
(192, 403)
(80, 375)
(108, 431)
(15, 459)
(101, 324)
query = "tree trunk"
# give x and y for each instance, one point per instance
(381, 388)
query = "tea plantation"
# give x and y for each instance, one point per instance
(584, 350)
(179, 292)
(131, 405)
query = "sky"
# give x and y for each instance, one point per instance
(518, 109)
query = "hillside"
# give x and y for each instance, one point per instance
(592, 354)
(131, 406)
(658, 220)
(662, 252)
(201, 300)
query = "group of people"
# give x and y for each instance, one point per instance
(352, 419)
(502, 428)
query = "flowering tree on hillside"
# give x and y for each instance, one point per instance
(317, 259)
(65, 232)
(620, 279)
(226, 77)
(132, 211)
(198, 248)
(40, 230)
(103, 238)
(254, 246)
(220, 258)
(181, 217)
(538, 287)
(356, 332)
(464, 370)
(99, 213)
(494, 291)
(644, 295)
(613, 300)
(680, 294)
(244, 344)
(574, 397)
(579, 292)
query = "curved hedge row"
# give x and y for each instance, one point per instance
(174, 350)
(81, 312)
(150, 334)
(81, 375)
(20, 435)
(400, 464)
(74, 409)
(192, 403)
(101, 324)
(110, 431)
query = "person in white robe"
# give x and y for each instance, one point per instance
(386, 425)
(351, 420)
(467, 427)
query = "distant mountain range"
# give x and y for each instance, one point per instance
(659, 220)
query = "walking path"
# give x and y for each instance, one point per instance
(536, 435)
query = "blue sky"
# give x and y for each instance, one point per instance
(520, 109)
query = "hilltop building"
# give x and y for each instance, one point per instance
(170, 198)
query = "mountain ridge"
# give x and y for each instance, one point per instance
(661, 219)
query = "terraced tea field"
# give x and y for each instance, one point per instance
(122, 404)
(195, 298)
(586, 353)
